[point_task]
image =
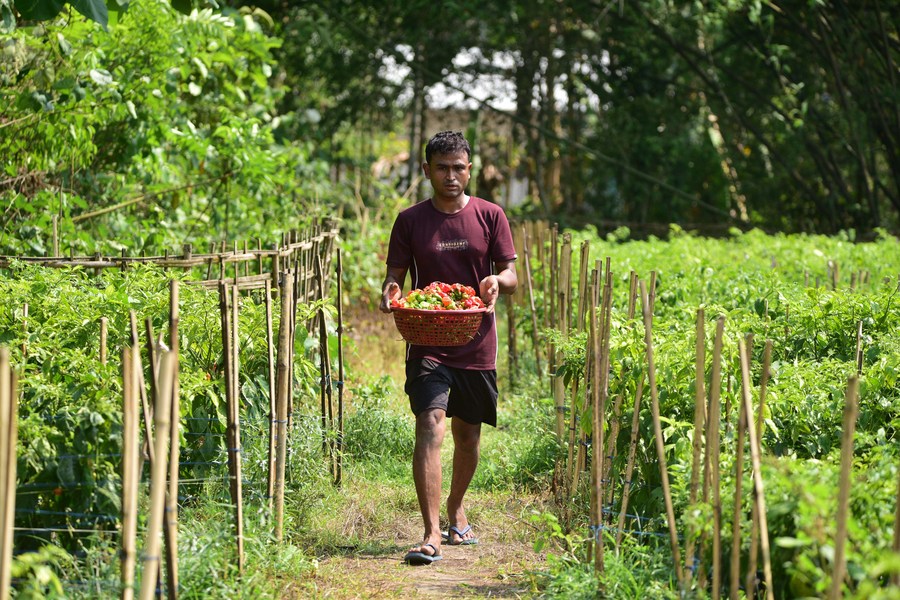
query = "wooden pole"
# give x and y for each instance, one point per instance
(24, 332)
(758, 492)
(163, 410)
(104, 330)
(142, 390)
(130, 468)
(583, 283)
(629, 467)
(632, 293)
(55, 223)
(859, 347)
(325, 364)
(895, 578)
(8, 441)
(743, 415)
(711, 468)
(151, 352)
(270, 346)
(851, 410)
(234, 428)
(750, 584)
(340, 357)
(565, 284)
(657, 428)
(281, 405)
(171, 514)
(529, 281)
(600, 393)
(699, 420)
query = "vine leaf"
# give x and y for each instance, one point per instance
(42, 10)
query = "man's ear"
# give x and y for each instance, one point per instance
(426, 168)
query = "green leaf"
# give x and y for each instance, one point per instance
(101, 76)
(94, 10)
(42, 10)
(7, 18)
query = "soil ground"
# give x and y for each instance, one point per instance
(502, 565)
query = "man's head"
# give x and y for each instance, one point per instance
(447, 142)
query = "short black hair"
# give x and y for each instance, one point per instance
(447, 142)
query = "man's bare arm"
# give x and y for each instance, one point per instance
(504, 282)
(392, 287)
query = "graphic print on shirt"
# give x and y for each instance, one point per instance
(452, 245)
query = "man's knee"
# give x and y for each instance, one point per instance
(430, 426)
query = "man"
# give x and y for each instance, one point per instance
(454, 238)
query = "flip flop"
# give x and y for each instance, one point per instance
(461, 533)
(420, 558)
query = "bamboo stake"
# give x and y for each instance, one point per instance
(600, 390)
(596, 549)
(699, 420)
(512, 340)
(859, 350)
(743, 415)
(55, 223)
(130, 469)
(565, 284)
(162, 413)
(171, 514)
(550, 297)
(142, 389)
(104, 330)
(895, 578)
(298, 282)
(8, 440)
(270, 347)
(574, 458)
(851, 410)
(534, 324)
(750, 583)
(758, 492)
(629, 467)
(632, 294)
(657, 428)
(281, 405)
(234, 427)
(154, 363)
(340, 382)
(325, 362)
(25, 332)
(711, 468)
(583, 283)
(611, 444)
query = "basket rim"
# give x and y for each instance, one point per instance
(415, 311)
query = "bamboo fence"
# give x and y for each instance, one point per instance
(584, 419)
(296, 271)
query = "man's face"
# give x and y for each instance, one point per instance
(449, 174)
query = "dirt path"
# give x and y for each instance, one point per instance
(500, 566)
(384, 523)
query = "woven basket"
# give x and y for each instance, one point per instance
(437, 327)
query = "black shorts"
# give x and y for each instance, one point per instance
(467, 394)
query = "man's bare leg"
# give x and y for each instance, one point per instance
(466, 450)
(430, 429)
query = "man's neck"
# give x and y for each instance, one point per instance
(450, 205)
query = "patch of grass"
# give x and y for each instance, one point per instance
(375, 430)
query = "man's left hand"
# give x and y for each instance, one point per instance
(489, 289)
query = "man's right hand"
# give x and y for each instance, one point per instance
(390, 292)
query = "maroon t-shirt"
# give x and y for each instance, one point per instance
(457, 248)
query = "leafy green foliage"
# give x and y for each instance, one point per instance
(70, 413)
(808, 295)
(158, 131)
